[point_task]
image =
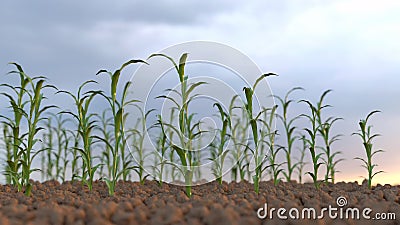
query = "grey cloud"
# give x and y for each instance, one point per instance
(55, 13)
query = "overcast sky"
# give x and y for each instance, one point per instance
(350, 46)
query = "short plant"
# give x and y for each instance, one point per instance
(47, 153)
(268, 137)
(301, 162)
(289, 132)
(187, 130)
(139, 134)
(366, 135)
(7, 142)
(219, 151)
(241, 157)
(312, 133)
(75, 158)
(105, 131)
(237, 154)
(62, 145)
(259, 158)
(160, 154)
(329, 160)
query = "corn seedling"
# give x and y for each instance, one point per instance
(66, 137)
(74, 161)
(324, 128)
(218, 151)
(117, 110)
(138, 144)
(17, 103)
(7, 142)
(268, 136)
(259, 159)
(301, 163)
(186, 131)
(175, 175)
(126, 157)
(160, 154)
(104, 129)
(289, 131)
(55, 157)
(312, 133)
(239, 156)
(86, 125)
(47, 163)
(366, 135)
(329, 160)
(62, 142)
(32, 111)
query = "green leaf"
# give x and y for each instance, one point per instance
(262, 77)
(253, 124)
(182, 64)
(182, 154)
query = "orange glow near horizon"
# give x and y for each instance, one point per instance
(382, 178)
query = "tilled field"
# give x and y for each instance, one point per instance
(233, 203)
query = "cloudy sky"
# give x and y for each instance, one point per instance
(350, 46)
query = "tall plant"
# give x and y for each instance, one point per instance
(31, 109)
(259, 158)
(86, 125)
(289, 131)
(367, 136)
(187, 129)
(117, 110)
(314, 118)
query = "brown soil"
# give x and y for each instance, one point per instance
(234, 203)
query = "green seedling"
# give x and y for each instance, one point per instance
(117, 110)
(160, 154)
(218, 151)
(86, 125)
(7, 141)
(62, 145)
(55, 157)
(268, 136)
(169, 133)
(289, 131)
(47, 163)
(187, 130)
(322, 128)
(139, 134)
(105, 131)
(32, 111)
(75, 155)
(259, 158)
(17, 103)
(329, 160)
(301, 163)
(238, 156)
(67, 137)
(366, 135)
